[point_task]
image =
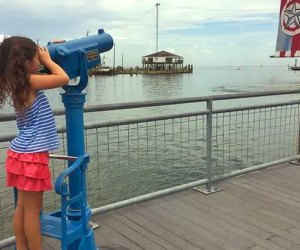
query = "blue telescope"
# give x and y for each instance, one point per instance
(77, 56)
(70, 223)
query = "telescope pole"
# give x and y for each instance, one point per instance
(74, 100)
(74, 103)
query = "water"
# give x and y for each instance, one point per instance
(204, 81)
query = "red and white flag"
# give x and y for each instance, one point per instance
(288, 38)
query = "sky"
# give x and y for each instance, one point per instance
(204, 33)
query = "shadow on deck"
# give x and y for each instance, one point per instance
(255, 211)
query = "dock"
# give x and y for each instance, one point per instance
(246, 151)
(142, 71)
(256, 211)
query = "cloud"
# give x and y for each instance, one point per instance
(231, 44)
(184, 27)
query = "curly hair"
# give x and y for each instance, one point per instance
(15, 51)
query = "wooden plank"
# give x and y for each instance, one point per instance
(180, 218)
(210, 222)
(50, 243)
(169, 230)
(231, 209)
(269, 209)
(127, 232)
(183, 231)
(133, 213)
(255, 234)
(258, 248)
(252, 188)
(285, 244)
(248, 209)
(262, 201)
(46, 244)
(295, 231)
(283, 233)
(142, 230)
(276, 178)
(277, 216)
(107, 237)
(286, 171)
(275, 189)
(261, 241)
(227, 218)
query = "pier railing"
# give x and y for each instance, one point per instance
(172, 145)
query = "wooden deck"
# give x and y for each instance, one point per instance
(255, 211)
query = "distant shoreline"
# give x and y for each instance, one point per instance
(138, 70)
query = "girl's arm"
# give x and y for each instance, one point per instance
(57, 78)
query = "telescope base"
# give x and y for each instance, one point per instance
(51, 225)
(86, 242)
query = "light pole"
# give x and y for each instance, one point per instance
(157, 26)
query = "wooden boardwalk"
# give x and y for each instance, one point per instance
(255, 211)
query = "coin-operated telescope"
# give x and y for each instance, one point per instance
(70, 224)
(77, 56)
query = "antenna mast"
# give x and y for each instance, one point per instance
(157, 26)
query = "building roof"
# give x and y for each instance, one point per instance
(161, 54)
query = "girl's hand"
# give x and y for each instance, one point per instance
(44, 56)
(56, 78)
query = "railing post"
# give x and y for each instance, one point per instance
(297, 161)
(209, 188)
(298, 147)
(208, 145)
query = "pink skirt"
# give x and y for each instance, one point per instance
(28, 171)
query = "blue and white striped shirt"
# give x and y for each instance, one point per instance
(37, 129)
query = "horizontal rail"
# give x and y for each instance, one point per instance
(269, 105)
(92, 125)
(145, 104)
(63, 157)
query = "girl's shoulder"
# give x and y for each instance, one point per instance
(39, 97)
(40, 92)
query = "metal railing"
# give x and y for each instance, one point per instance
(139, 158)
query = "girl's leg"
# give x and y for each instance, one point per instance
(33, 203)
(18, 223)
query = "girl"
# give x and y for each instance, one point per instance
(27, 157)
